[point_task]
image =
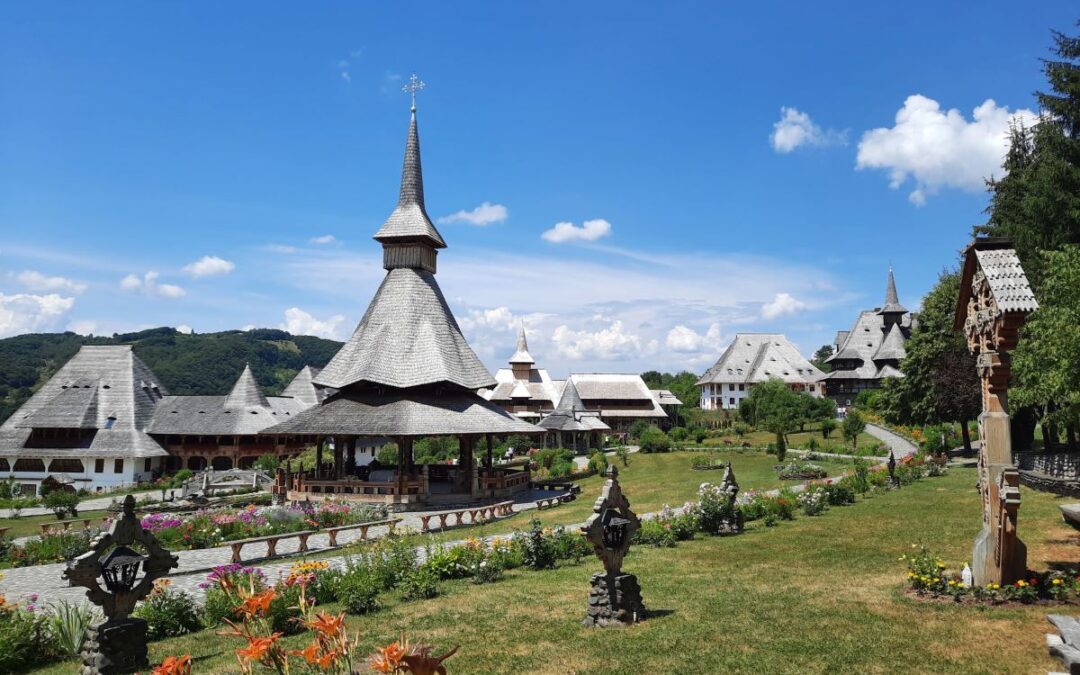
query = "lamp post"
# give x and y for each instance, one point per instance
(615, 597)
(118, 645)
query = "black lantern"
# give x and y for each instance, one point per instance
(614, 528)
(119, 568)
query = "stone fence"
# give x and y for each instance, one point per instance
(1056, 472)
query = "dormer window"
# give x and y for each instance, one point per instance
(110, 422)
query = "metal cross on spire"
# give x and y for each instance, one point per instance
(415, 84)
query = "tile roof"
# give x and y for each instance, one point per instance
(302, 388)
(102, 387)
(404, 413)
(408, 337)
(758, 357)
(1007, 280)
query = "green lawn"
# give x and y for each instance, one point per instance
(650, 481)
(28, 525)
(818, 595)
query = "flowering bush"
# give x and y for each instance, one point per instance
(50, 548)
(813, 501)
(715, 507)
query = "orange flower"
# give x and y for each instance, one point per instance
(174, 665)
(327, 624)
(310, 653)
(258, 647)
(257, 605)
(387, 659)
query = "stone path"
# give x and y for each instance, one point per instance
(46, 580)
(898, 444)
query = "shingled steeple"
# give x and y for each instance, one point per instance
(408, 236)
(246, 392)
(892, 300)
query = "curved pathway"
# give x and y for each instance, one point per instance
(901, 446)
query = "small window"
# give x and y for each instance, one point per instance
(731, 387)
(118, 466)
(99, 466)
(110, 422)
(742, 387)
(731, 401)
(146, 464)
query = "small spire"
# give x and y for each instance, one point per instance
(521, 355)
(892, 299)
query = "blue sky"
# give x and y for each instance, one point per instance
(724, 167)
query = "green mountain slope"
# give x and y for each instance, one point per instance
(187, 364)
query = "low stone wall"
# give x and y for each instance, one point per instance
(1059, 465)
(1043, 483)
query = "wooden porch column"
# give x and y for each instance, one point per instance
(350, 463)
(318, 458)
(489, 461)
(339, 457)
(402, 442)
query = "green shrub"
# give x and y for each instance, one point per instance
(452, 562)
(24, 641)
(656, 534)
(637, 429)
(284, 614)
(813, 501)
(561, 469)
(653, 439)
(598, 462)
(841, 492)
(62, 503)
(569, 544)
(49, 549)
(216, 607)
(488, 569)
(679, 434)
(168, 614)
(538, 551)
(180, 476)
(358, 591)
(546, 458)
(420, 584)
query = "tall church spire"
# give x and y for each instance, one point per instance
(408, 236)
(892, 300)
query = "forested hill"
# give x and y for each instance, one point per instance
(206, 363)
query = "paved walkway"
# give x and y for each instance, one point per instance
(897, 443)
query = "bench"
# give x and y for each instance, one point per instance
(477, 514)
(363, 527)
(46, 528)
(271, 543)
(549, 502)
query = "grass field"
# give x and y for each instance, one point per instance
(799, 439)
(650, 481)
(28, 525)
(818, 595)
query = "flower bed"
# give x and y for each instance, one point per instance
(928, 577)
(800, 469)
(209, 528)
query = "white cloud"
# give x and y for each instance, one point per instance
(687, 340)
(611, 343)
(795, 129)
(25, 313)
(185, 329)
(299, 322)
(209, 266)
(36, 281)
(148, 285)
(323, 240)
(281, 248)
(939, 148)
(782, 304)
(591, 230)
(485, 214)
(83, 327)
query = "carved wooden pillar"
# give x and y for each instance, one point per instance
(995, 298)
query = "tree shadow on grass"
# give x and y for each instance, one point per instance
(658, 613)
